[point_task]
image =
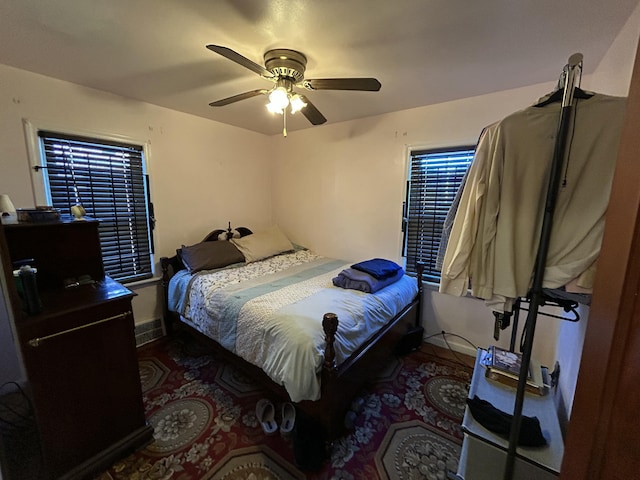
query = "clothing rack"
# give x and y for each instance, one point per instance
(537, 297)
(569, 306)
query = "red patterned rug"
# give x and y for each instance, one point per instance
(406, 423)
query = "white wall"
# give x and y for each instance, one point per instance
(613, 73)
(203, 174)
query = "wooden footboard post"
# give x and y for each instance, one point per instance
(330, 327)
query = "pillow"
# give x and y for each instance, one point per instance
(210, 255)
(263, 244)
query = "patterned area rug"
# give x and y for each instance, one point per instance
(405, 424)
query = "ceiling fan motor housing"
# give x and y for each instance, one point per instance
(283, 62)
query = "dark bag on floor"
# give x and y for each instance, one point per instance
(309, 444)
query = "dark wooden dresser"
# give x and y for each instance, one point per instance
(78, 352)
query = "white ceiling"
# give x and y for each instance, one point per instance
(422, 51)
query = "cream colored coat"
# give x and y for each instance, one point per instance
(495, 235)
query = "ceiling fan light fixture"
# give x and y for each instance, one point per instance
(279, 98)
(297, 103)
(274, 108)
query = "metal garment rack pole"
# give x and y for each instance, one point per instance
(537, 297)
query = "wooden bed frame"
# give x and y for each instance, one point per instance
(339, 383)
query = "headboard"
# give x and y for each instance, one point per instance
(227, 234)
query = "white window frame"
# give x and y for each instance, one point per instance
(39, 179)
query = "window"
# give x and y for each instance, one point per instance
(434, 179)
(108, 179)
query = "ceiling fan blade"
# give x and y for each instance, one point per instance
(312, 113)
(364, 84)
(239, 59)
(237, 98)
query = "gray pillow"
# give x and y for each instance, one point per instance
(210, 255)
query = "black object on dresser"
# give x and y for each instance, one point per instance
(78, 351)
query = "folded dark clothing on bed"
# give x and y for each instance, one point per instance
(378, 268)
(357, 280)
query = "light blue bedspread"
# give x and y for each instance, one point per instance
(270, 313)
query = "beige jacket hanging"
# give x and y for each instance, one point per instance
(495, 236)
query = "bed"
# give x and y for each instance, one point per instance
(275, 313)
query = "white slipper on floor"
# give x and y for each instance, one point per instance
(266, 413)
(288, 418)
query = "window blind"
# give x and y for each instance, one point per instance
(434, 179)
(108, 180)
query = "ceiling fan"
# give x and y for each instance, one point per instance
(286, 69)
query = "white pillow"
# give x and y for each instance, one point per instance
(263, 244)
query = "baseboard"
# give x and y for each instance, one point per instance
(149, 331)
(452, 343)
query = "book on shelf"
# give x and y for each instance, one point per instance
(503, 366)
